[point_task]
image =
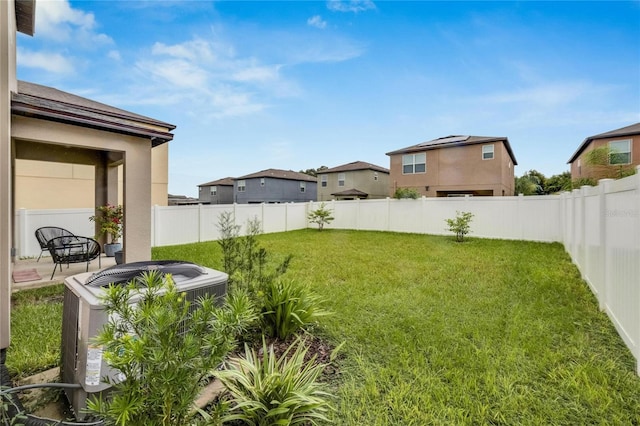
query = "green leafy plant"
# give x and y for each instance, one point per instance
(265, 390)
(460, 225)
(402, 193)
(320, 216)
(287, 307)
(247, 264)
(165, 347)
(110, 220)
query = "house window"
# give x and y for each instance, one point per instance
(414, 163)
(620, 152)
(214, 191)
(340, 179)
(323, 180)
(303, 186)
(487, 152)
(261, 181)
(579, 168)
(375, 175)
(242, 185)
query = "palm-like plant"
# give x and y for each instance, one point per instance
(267, 390)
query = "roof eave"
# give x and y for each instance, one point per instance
(157, 137)
(25, 16)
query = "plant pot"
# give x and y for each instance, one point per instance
(111, 249)
(119, 257)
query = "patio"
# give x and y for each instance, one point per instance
(45, 266)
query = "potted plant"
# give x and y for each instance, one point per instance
(110, 220)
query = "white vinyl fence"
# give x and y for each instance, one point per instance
(602, 235)
(599, 227)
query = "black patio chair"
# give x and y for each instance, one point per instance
(47, 233)
(73, 249)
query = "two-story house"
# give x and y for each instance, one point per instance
(218, 191)
(622, 154)
(275, 186)
(355, 180)
(455, 166)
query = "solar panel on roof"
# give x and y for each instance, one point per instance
(447, 139)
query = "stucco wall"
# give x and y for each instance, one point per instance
(51, 185)
(580, 168)
(274, 191)
(459, 168)
(362, 180)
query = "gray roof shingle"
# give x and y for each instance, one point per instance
(35, 100)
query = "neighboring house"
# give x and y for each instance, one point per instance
(275, 186)
(181, 200)
(356, 180)
(216, 192)
(455, 166)
(624, 153)
(39, 123)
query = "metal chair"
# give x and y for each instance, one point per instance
(73, 249)
(47, 233)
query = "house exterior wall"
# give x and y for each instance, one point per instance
(581, 170)
(8, 83)
(457, 169)
(224, 194)
(274, 191)
(363, 180)
(52, 185)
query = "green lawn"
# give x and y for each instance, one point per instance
(438, 332)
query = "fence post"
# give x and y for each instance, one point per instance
(603, 187)
(154, 225)
(519, 210)
(22, 229)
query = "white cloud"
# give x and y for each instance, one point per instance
(115, 55)
(51, 62)
(316, 21)
(194, 50)
(257, 73)
(350, 5)
(549, 94)
(57, 21)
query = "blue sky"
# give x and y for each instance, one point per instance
(301, 84)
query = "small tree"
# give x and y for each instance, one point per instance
(321, 215)
(406, 193)
(164, 348)
(460, 225)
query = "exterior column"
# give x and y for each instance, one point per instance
(137, 203)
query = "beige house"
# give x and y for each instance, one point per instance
(42, 124)
(623, 154)
(356, 180)
(455, 166)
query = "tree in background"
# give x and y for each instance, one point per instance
(558, 183)
(530, 183)
(605, 163)
(314, 172)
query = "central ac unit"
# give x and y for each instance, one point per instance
(83, 317)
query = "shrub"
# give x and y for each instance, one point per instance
(406, 193)
(288, 306)
(268, 390)
(321, 216)
(460, 225)
(164, 349)
(242, 257)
